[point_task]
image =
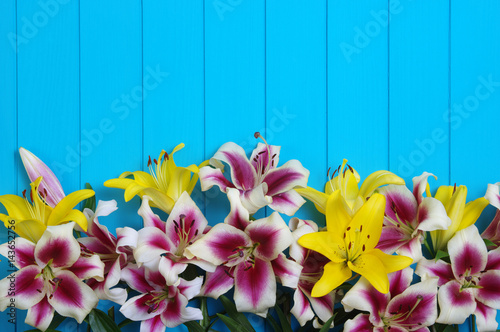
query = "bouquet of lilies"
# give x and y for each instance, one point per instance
(387, 258)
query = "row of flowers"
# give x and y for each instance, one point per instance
(378, 235)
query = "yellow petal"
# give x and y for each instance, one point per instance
(378, 179)
(179, 182)
(30, 229)
(328, 244)
(372, 268)
(16, 207)
(368, 221)
(67, 204)
(160, 200)
(333, 276)
(317, 197)
(337, 217)
(74, 215)
(472, 212)
(444, 194)
(118, 183)
(392, 263)
(133, 189)
(144, 179)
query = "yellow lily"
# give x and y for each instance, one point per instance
(347, 181)
(462, 215)
(164, 184)
(30, 220)
(349, 243)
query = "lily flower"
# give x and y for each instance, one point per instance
(114, 253)
(49, 184)
(30, 220)
(462, 215)
(164, 184)
(245, 260)
(305, 306)
(408, 216)
(159, 305)
(259, 180)
(165, 244)
(469, 285)
(222, 279)
(347, 181)
(349, 243)
(403, 308)
(492, 232)
(50, 277)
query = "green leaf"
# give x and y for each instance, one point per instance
(285, 324)
(234, 314)
(489, 243)
(111, 313)
(328, 323)
(441, 254)
(56, 321)
(233, 325)
(99, 321)
(89, 202)
(125, 322)
(273, 323)
(205, 322)
(194, 326)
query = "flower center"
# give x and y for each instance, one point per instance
(157, 299)
(38, 203)
(242, 255)
(355, 242)
(264, 162)
(183, 231)
(398, 317)
(159, 172)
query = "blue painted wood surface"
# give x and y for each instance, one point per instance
(94, 88)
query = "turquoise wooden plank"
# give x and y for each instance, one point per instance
(8, 148)
(475, 97)
(111, 100)
(296, 110)
(174, 105)
(357, 85)
(418, 90)
(48, 91)
(234, 82)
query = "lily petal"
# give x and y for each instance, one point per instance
(265, 156)
(27, 285)
(243, 174)
(401, 205)
(238, 216)
(24, 252)
(420, 185)
(288, 176)
(360, 323)
(72, 297)
(467, 252)
(36, 168)
(154, 324)
(301, 309)
(88, 267)
(126, 239)
(329, 244)
(337, 217)
(213, 176)
(177, 312)
(317, 197)
(218, 244)
(430, 268)
(255, 288)
(432, 215)
(58, 245)
(287, 203)
(378, 179)
(16, 208)
(151, 243)
(493, 194)
(135, 277)
(392, 238)
(171, 270)
(255, 198)
(485, 318)
(31, 229)
(363, 296)
(67, 204)
(455, 304)
(400, 280)
(217, 283)
(287, 271)
(105, 291)
(272, 234)
(40, 315)
(150, 219)
(489, 289)
(190, 288)
(472, 212)
(138, 308)
(334, 275)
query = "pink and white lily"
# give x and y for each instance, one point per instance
(408, 216)
(470, 284)
(160, 305)
(492, 232)
(305, 306)
(259, 181)
(49, 185)
(114, 253)
(249, 255)
(404, 308)
(163, 244)
(50, 277)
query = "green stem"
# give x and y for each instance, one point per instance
(205, 322)
(473, 323)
